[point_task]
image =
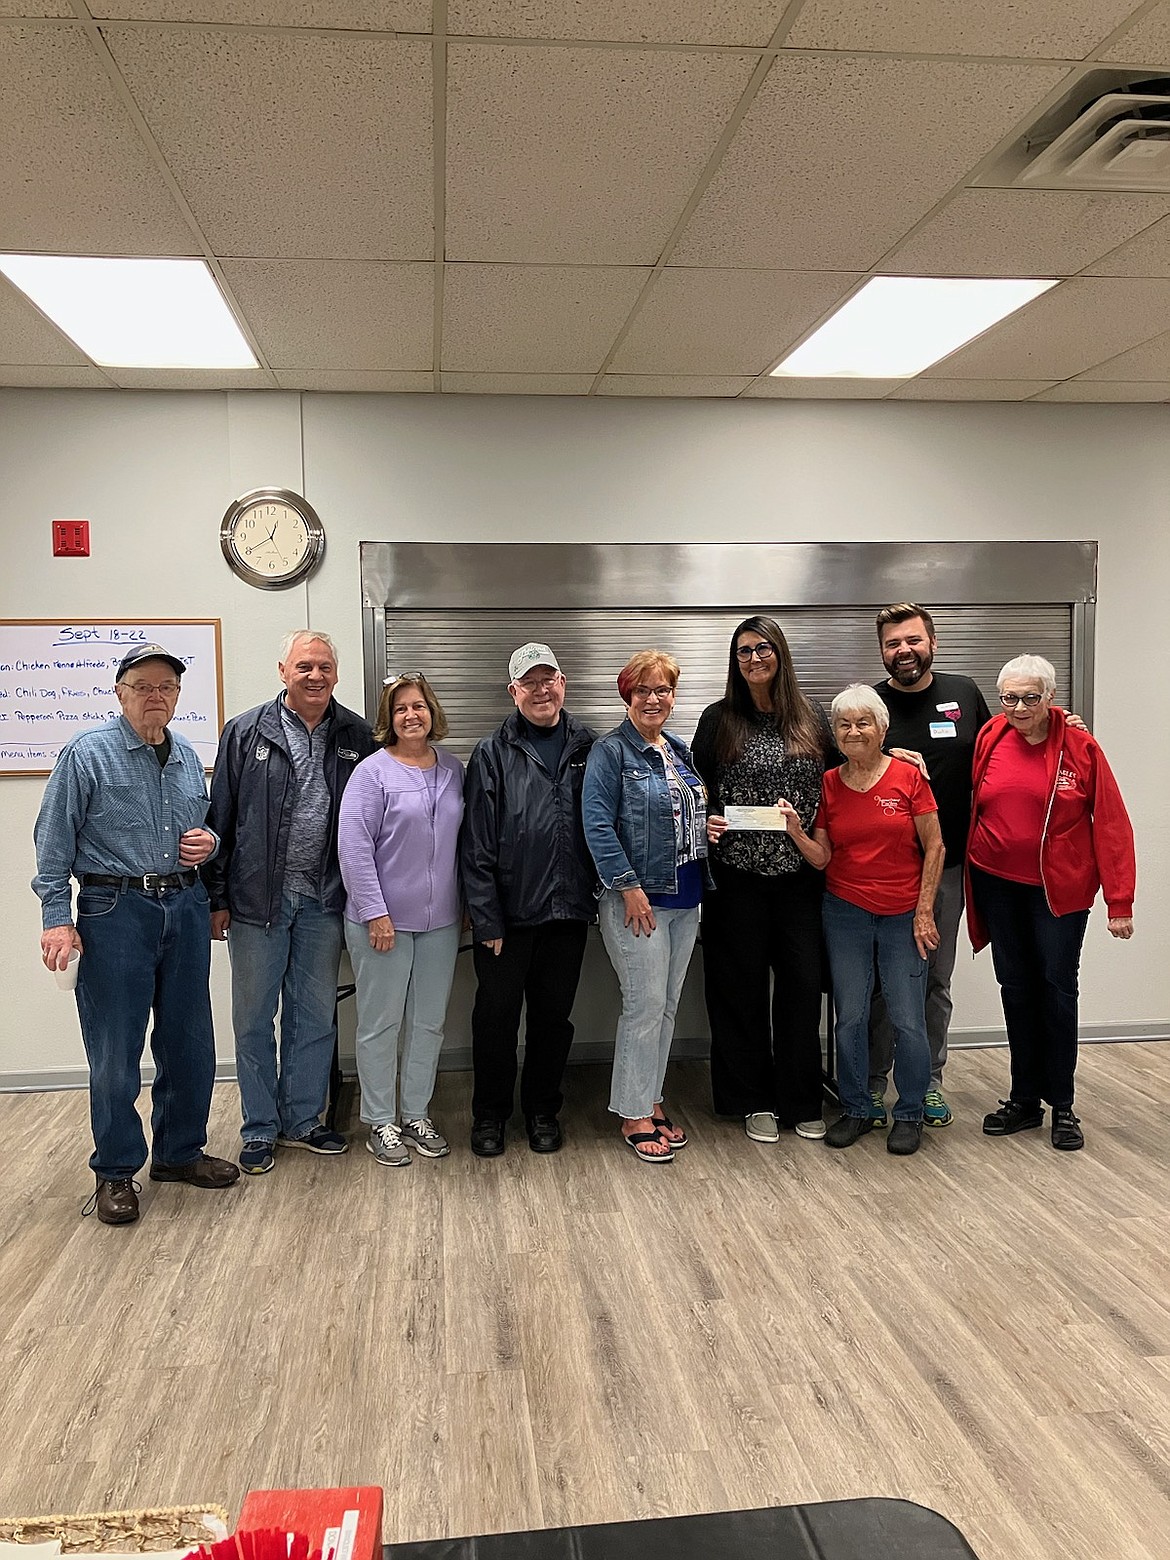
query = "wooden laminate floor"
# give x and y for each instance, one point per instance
(533, 1341)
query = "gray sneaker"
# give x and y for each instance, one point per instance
(386, 1145)
(422, 1136)
(761, 1126)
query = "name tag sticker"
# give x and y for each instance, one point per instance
(951, 711)
(943, 728)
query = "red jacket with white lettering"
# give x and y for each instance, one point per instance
(1088, 839)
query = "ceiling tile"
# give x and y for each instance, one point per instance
(674, 384)
(1148, 39)
(838, 156)
(1086, 390)
(1149, 361)
(337, 315)
(586, 156)
(192, 378)
(517, 384)
(38, 377)
(1065, 331)
(291, 146)
(367, 380)
(1146, 255)
(968, 389)
(1049, 29)
(351, 15)
(27, 337)
(820, 389)
(1023, 233)
(622, 21)
(535, 318)
(724, 322)
(75, 177)
(36, 8)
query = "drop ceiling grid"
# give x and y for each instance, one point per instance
(1049, 29)
(536, 136)
(249, 125)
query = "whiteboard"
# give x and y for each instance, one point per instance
(57, 678)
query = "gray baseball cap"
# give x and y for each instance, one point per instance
(530, 655)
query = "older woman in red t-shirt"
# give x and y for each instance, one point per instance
(877, 838)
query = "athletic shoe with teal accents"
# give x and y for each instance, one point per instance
(877, 1109)
(935, 1110)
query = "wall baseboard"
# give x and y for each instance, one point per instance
(458, 1058)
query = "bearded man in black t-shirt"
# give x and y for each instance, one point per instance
(937, 715)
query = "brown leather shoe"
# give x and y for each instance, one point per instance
(116, 1202)
(204, 1171)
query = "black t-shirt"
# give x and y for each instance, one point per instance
(548, 741)
(955, 709)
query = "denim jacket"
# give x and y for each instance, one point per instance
(629, 821)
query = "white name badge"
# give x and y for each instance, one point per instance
(943, 728)
(770, 818)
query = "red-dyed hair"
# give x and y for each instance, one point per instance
(639, 666)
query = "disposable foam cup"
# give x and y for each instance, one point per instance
(67, 978)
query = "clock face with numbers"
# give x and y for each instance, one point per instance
(272, 538)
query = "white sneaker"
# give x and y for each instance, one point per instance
(810, 1129)
(761, 1126)
(386, 1145)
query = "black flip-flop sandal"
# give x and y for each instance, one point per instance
(665, 1121)
(636, 1139)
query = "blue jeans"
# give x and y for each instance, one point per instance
(294, 962)
(145, 953)
(854, 936)
(1037, 958)
(411, 982)
(650, 972)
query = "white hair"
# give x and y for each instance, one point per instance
(1034, 667)
(297, 634)
(860, 698)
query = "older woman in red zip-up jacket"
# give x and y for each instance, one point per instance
(1048, 828)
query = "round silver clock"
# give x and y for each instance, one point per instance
(272, 538)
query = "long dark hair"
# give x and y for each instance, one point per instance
(796, 718)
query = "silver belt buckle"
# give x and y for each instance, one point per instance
(151, 882)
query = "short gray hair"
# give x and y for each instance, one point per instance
(860, 698)
(1034, 667)
(290, 639)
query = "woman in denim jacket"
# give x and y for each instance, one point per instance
(645, 815)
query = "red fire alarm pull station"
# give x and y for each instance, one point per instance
(70, 538)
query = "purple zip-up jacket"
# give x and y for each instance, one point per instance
(397, 842)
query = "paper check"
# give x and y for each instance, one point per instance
(756, 818)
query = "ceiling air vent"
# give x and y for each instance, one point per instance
(1119, 141)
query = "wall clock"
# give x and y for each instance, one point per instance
(272, 538)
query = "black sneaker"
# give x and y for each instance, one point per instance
(905, 1137)
(1013, 1116)
(847, 1129)
(487, 1138)
(1066, 1130)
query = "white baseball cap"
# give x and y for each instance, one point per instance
(528, 656)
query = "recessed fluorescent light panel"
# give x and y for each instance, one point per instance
(896, 326)
(134, 313)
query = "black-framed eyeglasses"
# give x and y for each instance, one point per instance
(763, 650)
(661, 692)
(1029, 700)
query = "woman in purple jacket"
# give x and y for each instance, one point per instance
(397, 840)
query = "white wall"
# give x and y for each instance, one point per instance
(155, 472)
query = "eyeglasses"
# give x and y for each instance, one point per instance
(412, 677)
(532, 684)
(764, 650)
(168, 689)
(1029, 700)
(642, 692)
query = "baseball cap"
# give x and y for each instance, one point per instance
(530, 655)
(148, 653)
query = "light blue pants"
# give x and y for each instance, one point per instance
(650, 971)
(400, 994)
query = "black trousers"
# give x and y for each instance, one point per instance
(540, 965)
(763, 966)
(1037, 958)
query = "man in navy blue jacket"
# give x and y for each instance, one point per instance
(277, 896)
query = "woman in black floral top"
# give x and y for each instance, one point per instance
(763, 741)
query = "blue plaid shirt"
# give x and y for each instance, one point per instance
(110, 807)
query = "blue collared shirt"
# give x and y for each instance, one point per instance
(110, 807)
